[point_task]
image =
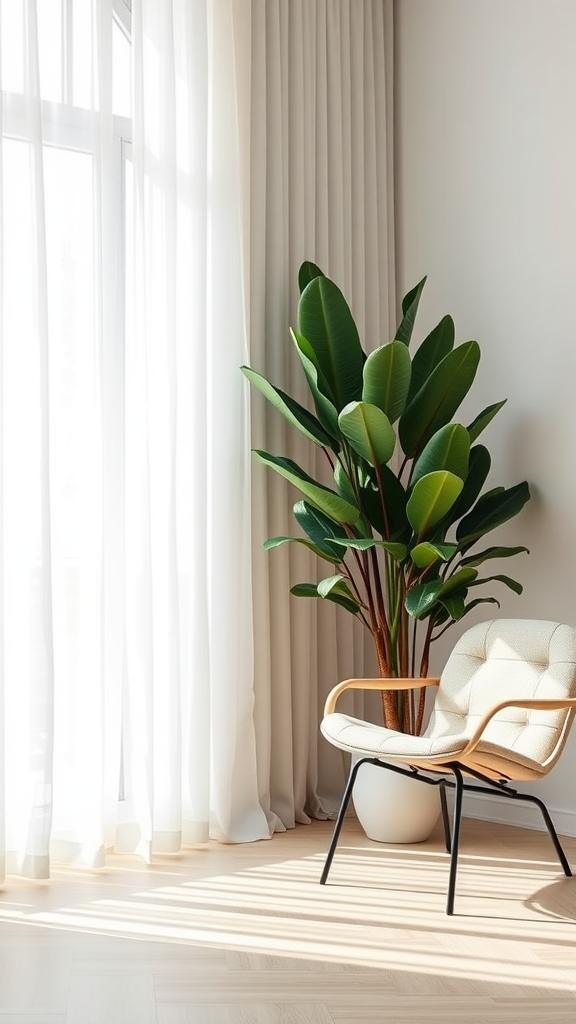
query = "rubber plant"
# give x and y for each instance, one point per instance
(401, 508)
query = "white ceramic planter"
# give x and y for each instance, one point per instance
(392, 808)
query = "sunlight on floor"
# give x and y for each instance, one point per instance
(382, 908)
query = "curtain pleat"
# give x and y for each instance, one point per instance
(319, 167)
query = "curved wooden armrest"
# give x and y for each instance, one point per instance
(375, 684)
(531, 704)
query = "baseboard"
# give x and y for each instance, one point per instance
(493, 808)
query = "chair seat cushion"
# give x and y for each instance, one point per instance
(366, 738)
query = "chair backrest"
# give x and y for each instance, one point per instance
(505, 659)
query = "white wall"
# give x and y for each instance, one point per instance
(486, 198)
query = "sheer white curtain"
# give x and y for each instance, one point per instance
(126, 715)
(189, 633)
(319, 186)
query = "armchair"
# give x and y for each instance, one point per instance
(503, 709)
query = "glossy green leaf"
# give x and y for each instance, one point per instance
(437, 401)
(422, 597)
(369, 432)
(397, 551)
(372, 507)
(345, 602)
(305, 590)
(448, 448)
(433, 495)
(435, 346)
(326, 586)
(491, 510)
(308, 271)
(410, 304)
(311, 590)
(319, 528)
(386, 514)
(387, 379)
(322, 497)
(484, 418)
(325, 408)
(478, 469)
(426, 554)
(325, 320)
(480, 600)
(395, 500)
(343, 484)
(461, 578)
(454, 606)
(295, 413)
(493, 552)
(506, 580)
(275, 542)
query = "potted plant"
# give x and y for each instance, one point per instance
(402, 508)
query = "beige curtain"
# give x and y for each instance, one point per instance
(316, 124)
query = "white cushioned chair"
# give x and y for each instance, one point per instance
(502, 712)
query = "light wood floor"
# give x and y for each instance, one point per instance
(245, 935)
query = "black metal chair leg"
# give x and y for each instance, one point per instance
(459, 790)
(551, 830)
(445, 816)
(341, 815)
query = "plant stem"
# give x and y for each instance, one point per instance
(396, 625)
(442, 631)
(380, 602)
(403, 466)
(329, 457)
(425, 659)
(424, 665)
(413, 655)
(389, 703)
(382, 503)
(347, 573)
(420, 714)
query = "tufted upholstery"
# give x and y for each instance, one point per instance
(494, 661)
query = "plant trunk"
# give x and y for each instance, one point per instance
(402, 710)
(389, 701)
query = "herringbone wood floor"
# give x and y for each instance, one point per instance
(245, 935)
